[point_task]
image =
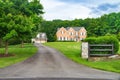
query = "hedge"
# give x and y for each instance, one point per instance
(104, 40)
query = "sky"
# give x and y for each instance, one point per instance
(78, 9)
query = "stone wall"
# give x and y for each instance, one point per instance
(85, 52)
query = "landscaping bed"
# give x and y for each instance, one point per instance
(6, 55)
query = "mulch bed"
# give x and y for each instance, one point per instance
(104, 58)
(6, 55)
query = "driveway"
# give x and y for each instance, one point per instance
(50, 63)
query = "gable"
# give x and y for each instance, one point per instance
(82, 29)
(71, 29)
(61, 29)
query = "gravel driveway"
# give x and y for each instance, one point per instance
(50, 63)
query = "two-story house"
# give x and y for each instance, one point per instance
(71, 34)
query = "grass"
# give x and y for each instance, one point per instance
(21, 54)
(119, 49)
(72, 50)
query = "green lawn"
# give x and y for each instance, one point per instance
(119, 48)
(72, 51)
(20, 54)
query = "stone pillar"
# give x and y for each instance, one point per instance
(85, 50)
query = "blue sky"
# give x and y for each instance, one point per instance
(76, 9)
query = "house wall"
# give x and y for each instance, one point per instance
(71, 35)
(62, 34)
(82, 33)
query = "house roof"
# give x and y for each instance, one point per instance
(75, 28)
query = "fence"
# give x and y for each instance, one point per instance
(96, 48)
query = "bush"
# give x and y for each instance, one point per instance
(14, 41)
(118, 36)
(104, 40)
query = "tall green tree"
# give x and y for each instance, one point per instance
(16, 19)
(31, 11)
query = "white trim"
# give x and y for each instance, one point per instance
(62, 32)
(66, 39)
(62, 38)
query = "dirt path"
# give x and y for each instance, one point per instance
(50, 63)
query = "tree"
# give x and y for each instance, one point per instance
(108, 23)
(16, 19)
(118, 36)
(28, 17)
(8, 31)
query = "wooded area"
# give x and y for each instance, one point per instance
(108, 24)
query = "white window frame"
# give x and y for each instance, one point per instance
(71, 33)
(66, 38)
(62, 38)
(62, 32)
(81, 33)
(59, 38)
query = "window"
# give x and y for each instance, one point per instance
(62, 38)
(75, 39)
(62, 32)
(66, 39)
(81, 34)
(71, 33)
(59, 38)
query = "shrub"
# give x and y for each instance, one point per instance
(14, 41)
(118, 36)
(104, 40)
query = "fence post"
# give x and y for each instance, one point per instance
(85, 50)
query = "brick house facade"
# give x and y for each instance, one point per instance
(71, 34)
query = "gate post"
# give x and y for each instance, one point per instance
(85, 50)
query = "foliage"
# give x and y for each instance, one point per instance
(17, 19)
(104, 40)
(119, 49)
(118, 36)
(109, 23)
(72, 50)
(20, 54)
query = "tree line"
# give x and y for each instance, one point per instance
(108, 24)
(19, 20)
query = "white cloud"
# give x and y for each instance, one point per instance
(105, 9)
(65, 10)
(60, 10)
